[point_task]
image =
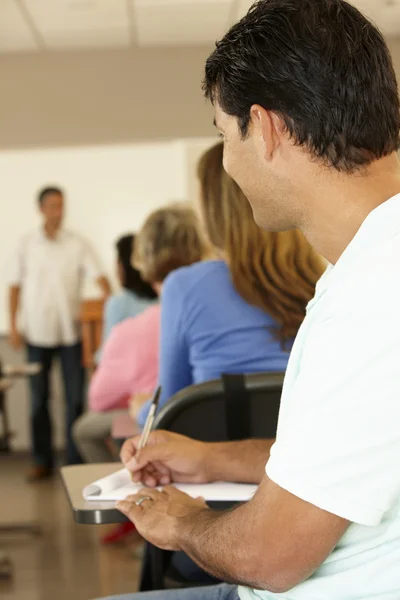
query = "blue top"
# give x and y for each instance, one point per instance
(208, 329)
(122, 306)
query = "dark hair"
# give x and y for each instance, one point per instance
(319, 64)
(48, 191)
(132, 279)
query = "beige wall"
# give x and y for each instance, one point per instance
(88, 98)
(394, 45)
(105, 97)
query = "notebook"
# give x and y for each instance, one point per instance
(119, 485)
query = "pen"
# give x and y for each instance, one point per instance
(150, 420)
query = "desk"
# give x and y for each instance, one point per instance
(8, 373)
(75, 478)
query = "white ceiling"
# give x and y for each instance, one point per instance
(32, 25)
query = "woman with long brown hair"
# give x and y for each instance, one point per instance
(240, 313)
(276, 271)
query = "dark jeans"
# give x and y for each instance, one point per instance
(189, 570)
(74, 379)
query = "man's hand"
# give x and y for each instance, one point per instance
(231, 544)
(105, 286)
(168, 457)
(15, 339)
(160, 520)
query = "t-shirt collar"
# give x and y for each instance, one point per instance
(381, 224)
(43, 236)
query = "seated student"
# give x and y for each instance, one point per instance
(135, 296)
(170, 238)
(238, 314)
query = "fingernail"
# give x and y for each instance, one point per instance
(132, 464)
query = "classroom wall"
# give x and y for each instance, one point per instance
(90, 98)
(394, 46)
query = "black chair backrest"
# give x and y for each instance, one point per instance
(233, 407)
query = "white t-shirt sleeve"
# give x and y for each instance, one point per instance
(338, 442)
(90, 263)
(15, 268)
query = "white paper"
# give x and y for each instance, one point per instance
(119, 485)
(102, 487)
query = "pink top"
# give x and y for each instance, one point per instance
(129, 362)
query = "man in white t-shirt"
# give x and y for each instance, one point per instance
(45, 283)
(306, 101)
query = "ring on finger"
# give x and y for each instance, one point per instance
(140, 501)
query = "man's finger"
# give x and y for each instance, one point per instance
(150, 454)
(164, 479)
(171, 490)
(143, 493)
(149, 480)
(161, 468)
(129, 509)
(128, 450)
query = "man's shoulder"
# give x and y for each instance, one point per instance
(31, 234)
(376, 281)
(34, 236)
(72, 236)
(371, 284)
(74, 241)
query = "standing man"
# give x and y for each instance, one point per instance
(45, 283)
(306, 101)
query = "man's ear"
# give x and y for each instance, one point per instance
(269, 128)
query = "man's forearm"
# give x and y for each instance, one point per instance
(242, 461)
(104, 285)
(14, 296)
(224, 545)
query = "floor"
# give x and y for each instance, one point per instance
(67, 562)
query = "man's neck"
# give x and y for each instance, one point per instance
(341, 203)
(51, 231)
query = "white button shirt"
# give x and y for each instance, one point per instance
(50, 273)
